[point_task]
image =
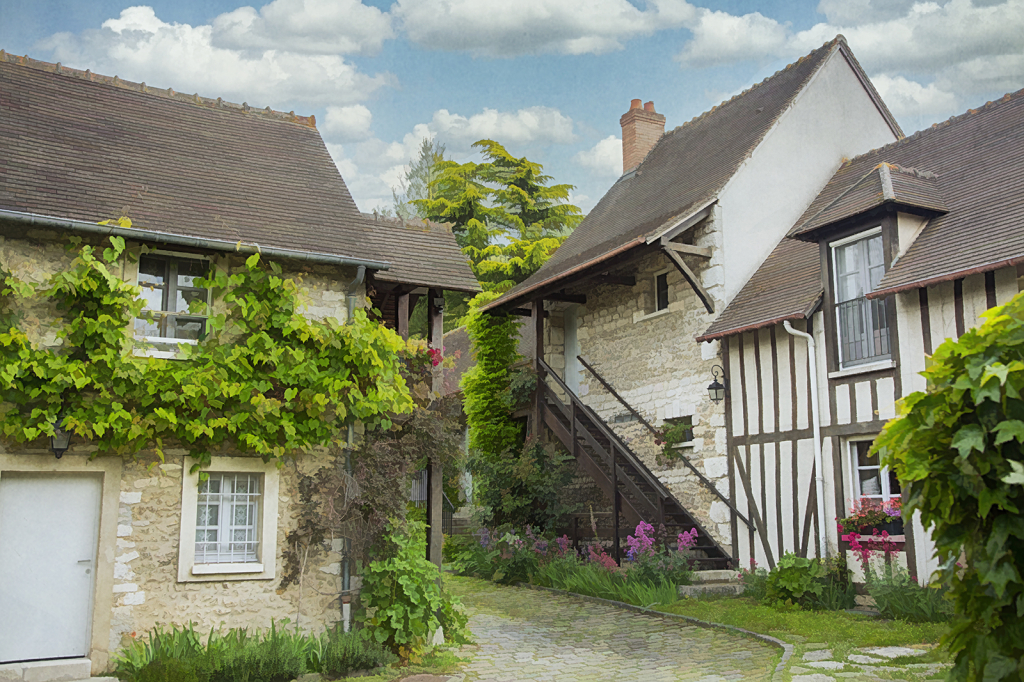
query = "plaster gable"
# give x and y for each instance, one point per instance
(908, 227)
(832, 119)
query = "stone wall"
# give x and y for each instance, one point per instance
(146, 589)
(652, 361)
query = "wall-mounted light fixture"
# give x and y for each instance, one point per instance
(439, 304)
(60, 441)
(717, 389)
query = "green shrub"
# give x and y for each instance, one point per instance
(955, 448)
(165, 670)
(337, 653)
(898, 596)
(670, 566)
(755, 582)
(795, 580)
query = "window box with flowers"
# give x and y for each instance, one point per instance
(873, 517)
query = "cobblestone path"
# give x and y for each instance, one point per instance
(524, 634)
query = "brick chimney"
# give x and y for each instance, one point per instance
(642, 127)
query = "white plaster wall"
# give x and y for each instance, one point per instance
(832, 119)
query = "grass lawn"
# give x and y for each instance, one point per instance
(440, 661)
(807, 630)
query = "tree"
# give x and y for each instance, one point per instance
(505, 216)
(416, 185)
(957, 449)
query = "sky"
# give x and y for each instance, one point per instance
(548, 79)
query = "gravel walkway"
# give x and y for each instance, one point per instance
(524, 634)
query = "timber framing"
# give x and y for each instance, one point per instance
(669, 249)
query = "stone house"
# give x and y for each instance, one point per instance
(906, 245)
(96, 548)
(696, 212)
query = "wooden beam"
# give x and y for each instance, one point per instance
(687, 249)
(567, 298)
(538, 354)
(691, 278)
(402, 323)
(435, 320)
(615, 280)
(526, 312)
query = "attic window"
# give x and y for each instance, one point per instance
(172, 295)
(863, 324)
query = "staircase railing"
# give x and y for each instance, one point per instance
(657, 434)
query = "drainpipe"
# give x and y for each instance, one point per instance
(346, 576)
(360, 274)
(812, 371)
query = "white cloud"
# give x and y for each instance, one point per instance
(347, 124)
(502, 28)
(910, 100)
(372, 167)
(305, 26)
(719, 37)
(854, 12)
(604, 159)
(139, 46)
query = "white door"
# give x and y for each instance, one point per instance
(49, 525)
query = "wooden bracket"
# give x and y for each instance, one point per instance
(687, 249)
(691, 278)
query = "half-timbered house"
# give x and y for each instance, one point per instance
(906, 246)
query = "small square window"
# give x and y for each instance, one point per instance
(169, 288)
(229, 521)
(661, 292)
(870, 478)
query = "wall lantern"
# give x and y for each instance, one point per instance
(60, 441)
(716, 390)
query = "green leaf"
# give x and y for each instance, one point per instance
(969, 438)
(1016, 477)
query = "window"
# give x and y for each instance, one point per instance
(229, 521)
(168, 288)
(661, 292)
(871, 480)
(863, 325)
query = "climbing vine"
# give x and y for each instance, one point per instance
(265, 380)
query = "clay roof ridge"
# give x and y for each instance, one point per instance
(169, 93)
(952, 120)
(696, 119)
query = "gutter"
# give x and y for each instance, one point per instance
(812, 372)
(351, 298)
(138, 234)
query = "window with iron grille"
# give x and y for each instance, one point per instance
(168, 288)
(227, 519)
(862, 323)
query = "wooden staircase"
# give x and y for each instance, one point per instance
(637, 494)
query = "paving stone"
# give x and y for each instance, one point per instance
(894, 651)
(858, 658)
(819, 655)
(528, 635)
(815, 677)
(827, 665)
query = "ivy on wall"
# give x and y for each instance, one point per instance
(265, 381)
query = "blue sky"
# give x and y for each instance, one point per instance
(546, 78)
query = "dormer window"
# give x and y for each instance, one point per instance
(858, 263)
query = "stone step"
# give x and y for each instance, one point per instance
(718, 576)
(705, 589)
(59, 670)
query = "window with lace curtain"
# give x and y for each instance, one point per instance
(227, 519)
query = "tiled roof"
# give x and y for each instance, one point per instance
(684, 172)
(977, 160)
(421, 254)
(885, 183)
(76, 145)
(787, 286)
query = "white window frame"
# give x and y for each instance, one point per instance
(264, 568)
(873, 360)
(148, 349)
(886, 493)
(647, 313)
